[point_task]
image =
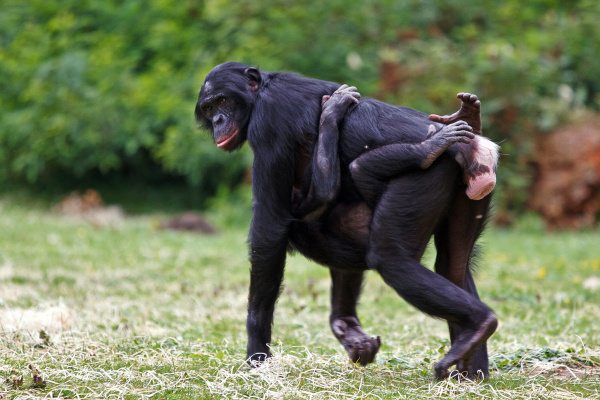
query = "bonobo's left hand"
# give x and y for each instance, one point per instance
(438, 141)
(334, 107)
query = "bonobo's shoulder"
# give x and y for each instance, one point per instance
(301, 83)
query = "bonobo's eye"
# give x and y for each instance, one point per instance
(222, 101)
(208, 108)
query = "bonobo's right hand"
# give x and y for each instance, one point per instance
(334, 107)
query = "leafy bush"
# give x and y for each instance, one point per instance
(105, 86)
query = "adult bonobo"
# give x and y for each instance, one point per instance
(317, 191)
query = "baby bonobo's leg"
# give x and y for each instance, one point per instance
(479, 160)
(372, 171)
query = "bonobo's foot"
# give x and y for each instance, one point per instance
(465, 369)
(255, 358)
(480, 159)
(360, 347)
(438, 142)
(473, 368)
(470, 112)
(334, 107)
(464, 347)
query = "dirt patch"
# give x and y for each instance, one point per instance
(190, 221)
(90, 207)
(566, 188)
(568, 372)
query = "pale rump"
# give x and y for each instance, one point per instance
(486, 155)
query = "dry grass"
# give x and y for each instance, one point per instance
(132, 313)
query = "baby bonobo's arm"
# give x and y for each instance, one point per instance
(325, 164)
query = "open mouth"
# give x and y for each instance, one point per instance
(224, 142)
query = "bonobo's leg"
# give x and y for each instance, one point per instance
(339, 241)
(325, 164)
(455, 241)
(372, 170)
(397, 234)
(345, 290)
(479, 165)
(477, 367)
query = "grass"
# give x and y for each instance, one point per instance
(128, 311)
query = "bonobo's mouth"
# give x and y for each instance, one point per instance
(227, 141)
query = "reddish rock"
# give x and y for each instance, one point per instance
(566, 188)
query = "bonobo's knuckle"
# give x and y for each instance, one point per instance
(341, 88)
(354, 167)
(339, 327)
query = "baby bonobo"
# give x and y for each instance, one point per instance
(476, 154)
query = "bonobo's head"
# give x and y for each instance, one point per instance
(225, 103)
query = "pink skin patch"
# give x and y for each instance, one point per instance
(481, 186)
(487, 154)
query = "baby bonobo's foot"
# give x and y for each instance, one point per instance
(360, 347)
(465, 346)
(438, 142)
(480, 158)
(470, 112)
(335, 106)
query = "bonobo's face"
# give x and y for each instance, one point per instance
(225, 104)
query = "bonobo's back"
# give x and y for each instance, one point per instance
(288, 104)
(372, 123)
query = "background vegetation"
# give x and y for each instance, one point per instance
(107, 88)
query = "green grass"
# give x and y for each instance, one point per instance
(132, 312)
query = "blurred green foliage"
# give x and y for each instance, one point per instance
(104, 86)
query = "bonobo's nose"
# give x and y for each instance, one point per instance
(218, 120)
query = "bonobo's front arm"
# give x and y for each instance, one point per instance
(268, 237)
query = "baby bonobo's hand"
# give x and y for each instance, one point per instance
(438, 141)
(458, 131)
(334, 107)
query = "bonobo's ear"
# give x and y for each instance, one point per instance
(254, 78)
